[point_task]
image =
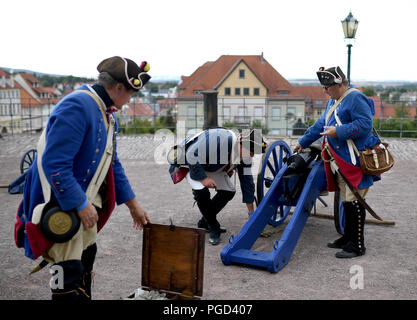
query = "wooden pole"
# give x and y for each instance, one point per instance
(373, 221)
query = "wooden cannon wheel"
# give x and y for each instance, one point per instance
(27, 160)
(271, 164)
(272, 161)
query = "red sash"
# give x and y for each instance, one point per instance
(353, 173)
(108, 207)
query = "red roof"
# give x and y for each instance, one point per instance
(29, 77)
(140, 109)
(377, 104)
(3, 73)
(312, 92)
(211, 74)
(165, 104)
(39, 90)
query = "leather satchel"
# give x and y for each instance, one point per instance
(373, 161)
(376, 160)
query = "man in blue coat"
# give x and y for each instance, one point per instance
(75, 142)
(211, 159)
(350, 120)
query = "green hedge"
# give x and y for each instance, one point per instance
(386, 128)
(147, 127)
(392, 128)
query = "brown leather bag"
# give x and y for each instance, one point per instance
(376, 160)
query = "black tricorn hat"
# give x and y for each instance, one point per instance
(126, 71)
(330, 76)
(253, 141)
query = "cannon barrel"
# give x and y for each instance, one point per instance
(298, 162)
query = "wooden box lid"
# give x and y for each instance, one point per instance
(173, 260)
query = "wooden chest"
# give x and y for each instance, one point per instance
(173, 261)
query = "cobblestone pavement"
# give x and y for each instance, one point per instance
(389, 266)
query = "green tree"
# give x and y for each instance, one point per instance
(402, 112)
(257, 124)
(396, 96)
(369, 92)
(168, 121)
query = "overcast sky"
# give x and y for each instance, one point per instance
(177, 36)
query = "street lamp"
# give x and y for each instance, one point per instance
(350, 25)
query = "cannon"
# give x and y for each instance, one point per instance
(285, 180)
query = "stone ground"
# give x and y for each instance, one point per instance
(389, 266)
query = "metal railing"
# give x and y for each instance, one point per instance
(395, 119)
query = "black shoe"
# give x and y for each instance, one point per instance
(347, 254)
(202, 223)
(338, 244)
(215, 237)
(350, 251)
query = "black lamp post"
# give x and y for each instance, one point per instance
(350, 25)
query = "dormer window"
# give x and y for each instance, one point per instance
(283, 92)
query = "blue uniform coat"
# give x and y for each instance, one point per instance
(75, 140)
(211, 151)
(355, 113)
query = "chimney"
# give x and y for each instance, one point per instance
(12, 78)
(210, 109)
(262, 57)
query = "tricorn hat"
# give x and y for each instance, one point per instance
(253, 141)
(330, 76)
(126, 71)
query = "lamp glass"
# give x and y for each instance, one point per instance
(350, 25)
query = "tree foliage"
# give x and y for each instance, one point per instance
(51, 81)
(369, 92)
(392, 127)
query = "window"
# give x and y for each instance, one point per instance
(257, 114)
(241, 114)
(256, 91)
(291, 112)
(245, 91)
(242, 74)
(283, 92)
(226, 113)
(191, 113)
(227, 91)
(237, 91)
(276, 113)
(275, 132)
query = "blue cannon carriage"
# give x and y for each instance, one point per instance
(284, 181)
